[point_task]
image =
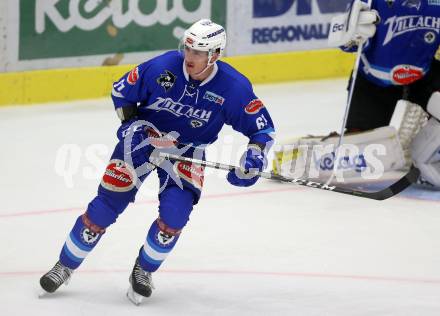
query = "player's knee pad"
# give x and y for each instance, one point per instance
(175, 206)
(162, 235)
(166, 229)
(103, 210)
(425, 151)
(91, 226)
(81, 240)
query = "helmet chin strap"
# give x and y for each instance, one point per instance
(208, 65)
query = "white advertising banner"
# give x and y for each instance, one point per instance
(267, 26)
(40, 34)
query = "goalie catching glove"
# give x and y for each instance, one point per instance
(353, 27)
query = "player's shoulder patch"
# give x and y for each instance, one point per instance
(254, 106)
(166, 80)
(165, 69)
(133, 76)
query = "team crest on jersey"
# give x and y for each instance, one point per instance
(412, 4)
(254, 106)
(211, 96)
(195, 123)
(406, 74)
(118, 176)
(430, 37)
(133, 76)
(166, 80)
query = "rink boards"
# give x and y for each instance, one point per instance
(67, 84)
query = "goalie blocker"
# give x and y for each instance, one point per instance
(366, 154)
(353, 27)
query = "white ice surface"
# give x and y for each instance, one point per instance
(271, 249)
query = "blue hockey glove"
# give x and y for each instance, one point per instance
(253, 158)
(132, 135)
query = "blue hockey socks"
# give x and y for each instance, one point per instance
(82, 239)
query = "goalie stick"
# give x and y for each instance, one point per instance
(350, 96)
(383, 194)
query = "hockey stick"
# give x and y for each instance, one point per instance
(383, 194)
(349, 98)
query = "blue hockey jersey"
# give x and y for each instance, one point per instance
(405, 42)
(169, 99)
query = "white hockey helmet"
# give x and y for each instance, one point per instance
(207, 36)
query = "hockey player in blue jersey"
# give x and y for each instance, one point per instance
(397, 62)
(177, 101)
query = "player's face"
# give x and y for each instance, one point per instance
(195, 62)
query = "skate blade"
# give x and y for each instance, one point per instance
(135, 298)
(42, 293)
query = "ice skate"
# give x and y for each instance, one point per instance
(141, 284)
(53, 279)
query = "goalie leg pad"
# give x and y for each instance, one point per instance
(433, 106)
(425, 151)
(367, 154)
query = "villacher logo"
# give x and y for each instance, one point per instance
(401, 25)
(179, 109)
